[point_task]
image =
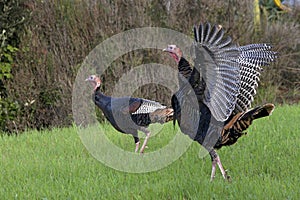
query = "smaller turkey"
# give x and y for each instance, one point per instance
(130, 115)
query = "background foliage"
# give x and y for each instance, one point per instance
(12, 18)
(45, 42)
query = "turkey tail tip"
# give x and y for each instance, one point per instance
(269, 108)
(170, 114)
(259, 112)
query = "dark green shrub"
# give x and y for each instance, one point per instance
(12, 18)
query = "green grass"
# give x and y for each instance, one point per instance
(56, 165)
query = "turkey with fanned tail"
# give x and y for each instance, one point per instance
(212, 105)
(128, 114)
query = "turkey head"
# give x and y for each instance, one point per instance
(174, 52)
(95, 81)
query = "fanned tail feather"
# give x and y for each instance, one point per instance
(162, 115)
(258, 112)
(236, 126)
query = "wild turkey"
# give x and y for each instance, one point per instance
(217, 93)
(128, 115)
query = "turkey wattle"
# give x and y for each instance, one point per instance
(128, 115)
(223, 81)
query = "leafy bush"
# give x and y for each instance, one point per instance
(12, 17)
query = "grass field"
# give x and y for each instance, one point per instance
(56, 165)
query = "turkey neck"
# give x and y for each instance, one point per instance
(100, 99)
(192, 75)
(184, 68)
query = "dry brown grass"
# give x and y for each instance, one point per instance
(62, 32)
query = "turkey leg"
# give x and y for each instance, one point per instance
(147, 132)
(137, 146)
(216, 160)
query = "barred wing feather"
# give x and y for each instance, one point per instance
(216, 60)
(148, 106)
(252, 58)
(231, 73)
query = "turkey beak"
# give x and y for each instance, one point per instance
(166, 50)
